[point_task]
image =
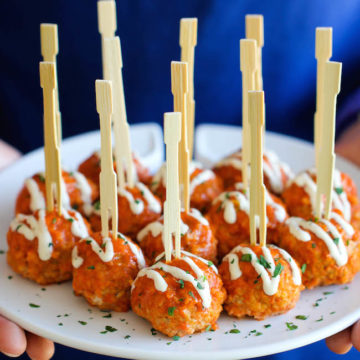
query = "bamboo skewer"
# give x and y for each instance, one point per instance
(123, 155)
(172, 131)
(323, 53)
(106, 24)
(51, 147)
(179, 89)
(247, 67)
(49, 50)
(254, 27)
(257, 187)
(326, 159)
(108, 192)
(188, 41)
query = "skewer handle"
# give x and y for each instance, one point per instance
(172, 131)
(108, 193)
(52, 153)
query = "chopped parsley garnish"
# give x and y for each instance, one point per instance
(345, 288)
(301, 317)
(110, 328)
(53, 220)
(108, 316)
(2, 252)
(258, 333)
(75, 206)
(316, 305)
(127, 337)
(333, 312)
(41, 178)
(278, 269)
(181, 282)
(267, 326)
(153, 331)
(92, 267)
(169, 343)
(10, 277)
(227, 195)
(103, 332)
(199, 286)
(321, 319)
(137, 201)
(234, 331)
(70, 219)
(82, 322)
(97, 205)
(313, 245)
(18, 227)
(60, 324)
(176, 338)
(263, 262)
(246, 257)
(34, 305)
(328, 292)
(171, 310)
(154, 183)
(303, 268)
(232, 261)
(50, 244)
(339, 190)
(291, 326)
(191, 294)
(210, 263)
(336, 240)
(208, 328)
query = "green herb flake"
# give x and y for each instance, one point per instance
(328, 292)
(267, 326)
(169, 343)
(316, 305)
(2, 252)
(263, 262)
(321, 319)
(199, 286)
(171, 310)
(232, 261)
(82, 322)
(50, 244)
(258, 333)
(137, 201)
(108, 316)
(153, 331)
(191, 294)
(345, 288)
(208, 328)
(303, 268)
(301, 317)
(333, 312)
(313, 245)
(88, 241)
(339, 190)
(110, 328)
(291, 326)
(60, 324)
(53, 220)
(227, 195)
(10, 277)
(103, 332)
(18, 227)
(70, 219)
(34, 305)
(210, 263)
(181, 282)
(278, 269)
(97, 205)
(234, 331)
(92, 267)
(176, 338)
(246, 257)
(336, 240)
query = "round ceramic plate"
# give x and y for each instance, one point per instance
(54, 312)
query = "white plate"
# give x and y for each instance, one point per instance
(57, 300)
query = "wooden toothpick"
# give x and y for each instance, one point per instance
(188, 41)
(113, 64)
(172, 131)
(247, 66)
(257, 187)
(51, 147)
(325, 173)
(179, 88)
(323, 53)
(106, 24)
(49, 50)
(108, 193)
(254, 27)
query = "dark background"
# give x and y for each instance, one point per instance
(149, 31)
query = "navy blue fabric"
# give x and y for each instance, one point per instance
(149, 36)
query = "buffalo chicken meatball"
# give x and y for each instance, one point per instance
(196, 237)
(276, 173)
(179, 297)
(205, 186)
(105, 268)
(40, 245)
(260, 281)
(327, 250)
(229, 218)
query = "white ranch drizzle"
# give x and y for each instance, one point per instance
(298, 227)
(200, 283)
(85, 190)
(160, 177)
(270, 283)
(136, 205)
(156, 227)
(340, 201)
(272, 169)
(106, 251)
(37, 200)
(31, 227)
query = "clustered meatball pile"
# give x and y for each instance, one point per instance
(187, 294)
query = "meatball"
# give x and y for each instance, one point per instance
(180, 297)
(276, 173)
(137, 207)
(91, 169)
(79, 195)
(229, 218)
(327, 250)
(260, 281)
(205, 186)
(196, 237)
(40, 245)
(104, 269)
(300, 194)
